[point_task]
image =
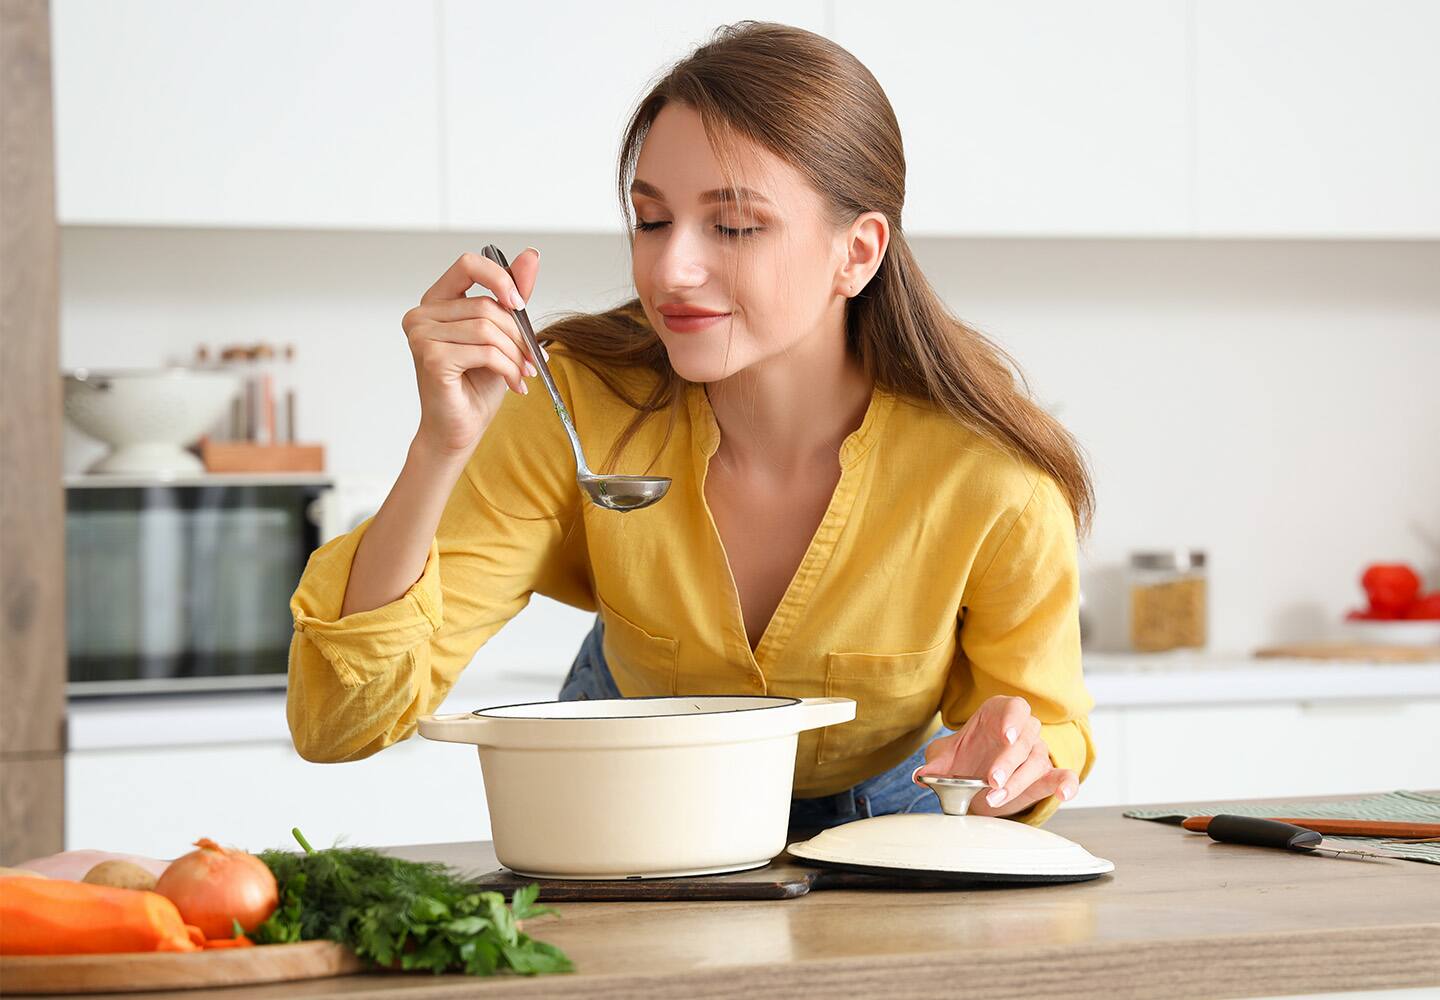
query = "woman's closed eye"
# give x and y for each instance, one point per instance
(725, 231)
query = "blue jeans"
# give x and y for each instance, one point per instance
(888, 792)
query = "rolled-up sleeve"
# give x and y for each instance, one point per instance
(1020, 635)
(511, 527)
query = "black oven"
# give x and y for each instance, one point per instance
(185, 585)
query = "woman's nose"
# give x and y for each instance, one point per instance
(681, 264)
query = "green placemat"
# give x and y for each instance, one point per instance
(1414, 807)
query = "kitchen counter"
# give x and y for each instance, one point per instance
(1182, 916)
(1186, 677)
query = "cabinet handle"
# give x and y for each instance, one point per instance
(1347, 706)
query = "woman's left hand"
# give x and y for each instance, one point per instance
(1001, 744)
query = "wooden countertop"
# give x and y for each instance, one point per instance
(1181, 916)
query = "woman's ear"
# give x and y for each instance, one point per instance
(866, 240)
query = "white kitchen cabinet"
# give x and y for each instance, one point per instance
(268, 113)
(1105, 786)
(1046, 118)
(1317, 118)
(537, 97)
(145, 774)
(1306, 118)
(1199, 752)
(155, 801)
(150, 775)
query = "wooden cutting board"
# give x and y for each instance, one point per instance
(1352, 651)
(134, 972)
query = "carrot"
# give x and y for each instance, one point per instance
(236, 942)
(60, 917)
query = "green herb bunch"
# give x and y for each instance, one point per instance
(403, 914)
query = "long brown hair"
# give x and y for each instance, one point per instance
(815, 106)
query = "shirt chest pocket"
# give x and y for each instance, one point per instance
(642, 663)
(894, 693)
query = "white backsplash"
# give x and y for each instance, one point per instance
(1275, 403)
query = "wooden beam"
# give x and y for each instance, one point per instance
(32, 501)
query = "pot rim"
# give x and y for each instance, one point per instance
(780, 701)
(486, 728)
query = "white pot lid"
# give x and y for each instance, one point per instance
(979, 847)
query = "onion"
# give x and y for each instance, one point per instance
(215, 885)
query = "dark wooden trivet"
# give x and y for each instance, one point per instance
(784, 878)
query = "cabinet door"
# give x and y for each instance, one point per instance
(1210, 752)
(1317, 117)
(157, 801)
(1106, 784)
(1045, 118)
(267, 113)
(537, 97)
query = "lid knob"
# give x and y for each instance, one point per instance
(954, 793)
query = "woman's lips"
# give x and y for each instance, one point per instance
(691, 324)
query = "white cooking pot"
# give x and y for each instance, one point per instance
(639, 787)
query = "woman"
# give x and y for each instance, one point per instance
(864, 502)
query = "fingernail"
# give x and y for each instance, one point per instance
(544, 352)
(1011, 735)
(1065, 794)
(996, 797)
(517, 301)
(998, 779)
(530, 370)
(536, 249)
(524, 389)
(915, 774)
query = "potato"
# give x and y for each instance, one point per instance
(19, 873)
(120, 875)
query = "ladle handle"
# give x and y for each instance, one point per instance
(494, 253)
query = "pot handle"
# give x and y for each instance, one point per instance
(820, 712)
(461, 727)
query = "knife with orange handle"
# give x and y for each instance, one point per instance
(1342, 827)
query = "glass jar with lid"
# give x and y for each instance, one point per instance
(1166, 600)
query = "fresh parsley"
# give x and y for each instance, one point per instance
(404, 914)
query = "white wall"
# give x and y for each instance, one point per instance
(1276, 403)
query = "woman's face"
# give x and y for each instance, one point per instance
(771, 264)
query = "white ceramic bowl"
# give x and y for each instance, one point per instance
(1393, 633)
(148, 416)
(639, 787)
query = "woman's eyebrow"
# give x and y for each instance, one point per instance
(719, 194)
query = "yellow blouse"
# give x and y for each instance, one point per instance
(943, 573)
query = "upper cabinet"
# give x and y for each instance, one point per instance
(537, 97)
(1308, 118)
(265, 113)
(1317, 118)
(1045, 118)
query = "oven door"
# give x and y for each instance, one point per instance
(184, 586)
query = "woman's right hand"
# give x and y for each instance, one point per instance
(469, 350)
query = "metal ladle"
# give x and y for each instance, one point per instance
(620, 493)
